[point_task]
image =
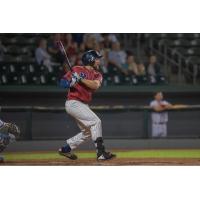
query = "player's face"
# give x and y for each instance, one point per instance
(159, 96)
(97, 64)
(153, 59)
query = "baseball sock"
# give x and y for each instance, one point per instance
(99, 146)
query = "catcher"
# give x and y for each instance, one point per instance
(9, 132)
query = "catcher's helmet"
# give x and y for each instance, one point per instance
(89, 57)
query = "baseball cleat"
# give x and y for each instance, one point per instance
(66, 151)
(105, 156)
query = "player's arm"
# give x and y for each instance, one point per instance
(166, 105)
(92, 84)
(70, 79)
(67, 80)
(158, 108)
(162, 107)
(169, 106)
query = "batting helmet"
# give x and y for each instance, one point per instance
(89, 57)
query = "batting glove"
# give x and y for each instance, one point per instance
(76, 76)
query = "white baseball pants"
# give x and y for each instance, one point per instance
(88, 122)
(159, 130)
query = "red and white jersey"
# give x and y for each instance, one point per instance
(159, 117)
(79, 91)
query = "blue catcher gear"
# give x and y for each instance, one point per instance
(9, 132)
(89, 57)
(4, 141)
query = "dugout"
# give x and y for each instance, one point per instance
(41, 115)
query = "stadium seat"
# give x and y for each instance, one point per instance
(193, 59)
(13, 50)
(117, 80)
(3, 79)
(160, 35)
(32, 79)
(107, 80)
(23, 79)
(112, 70)
(42, 80)
(142, 80)
(9, 58)
(26, 50)
(12, 79)
(31, 41)
(196, 35)
(187, 36)
(160, 80)
(51, 79)
(20, 40)
(134, 80)
(164, 41)
(127, 80)
(179, 43)
(4, 68)
(25, 59)
(8, 40)
(195, 42)
(193, 52)
(174, 35)
(179, 50)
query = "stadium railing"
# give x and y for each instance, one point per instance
(187, 120)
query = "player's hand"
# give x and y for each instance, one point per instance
(76, 77)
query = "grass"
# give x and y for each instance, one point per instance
(120, 154)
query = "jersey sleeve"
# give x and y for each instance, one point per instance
(67, 76)
(152, 104)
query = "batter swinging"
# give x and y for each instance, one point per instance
(82, 81)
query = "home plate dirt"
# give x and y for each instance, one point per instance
(113, 162)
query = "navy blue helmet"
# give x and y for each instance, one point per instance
(89, 57)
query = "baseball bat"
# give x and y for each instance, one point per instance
(67, 65)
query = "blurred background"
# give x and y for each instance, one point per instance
(134, 66)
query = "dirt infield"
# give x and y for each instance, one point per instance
(88, 158)
(114, 162)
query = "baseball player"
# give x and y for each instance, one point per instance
(9, 132)
(159, 116)
(82, 81)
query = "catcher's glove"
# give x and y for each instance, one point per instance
(10, 128)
